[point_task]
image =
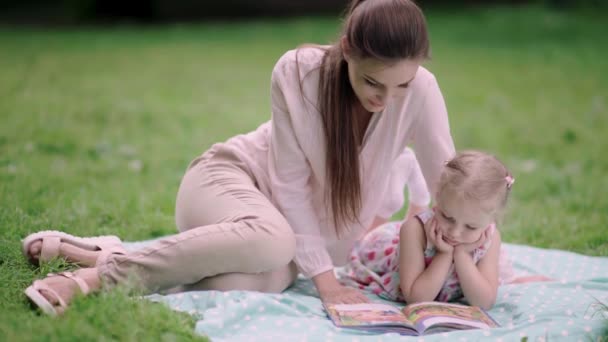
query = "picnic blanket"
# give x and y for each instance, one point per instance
(569, 308)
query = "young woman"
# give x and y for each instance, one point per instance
(295, 194)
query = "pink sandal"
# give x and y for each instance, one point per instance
(51, 239)
(34, 293)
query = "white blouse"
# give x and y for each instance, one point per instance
(287, 157)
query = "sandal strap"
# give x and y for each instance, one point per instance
(84, 288)
(50, 248)
(39, 285)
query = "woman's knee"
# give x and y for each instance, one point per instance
(277, 247)
(274, 281)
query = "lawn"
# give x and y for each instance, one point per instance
(97, 126)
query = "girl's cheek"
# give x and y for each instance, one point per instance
(476, 237)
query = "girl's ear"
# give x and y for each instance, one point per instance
(346, 51)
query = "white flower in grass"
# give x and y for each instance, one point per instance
(127, 150)
(528, 165)
(136, 165)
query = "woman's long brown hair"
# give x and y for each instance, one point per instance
(386, 30)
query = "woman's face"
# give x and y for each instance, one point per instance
(375, 83)
(460, 221)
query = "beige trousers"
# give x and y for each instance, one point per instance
(231, 237)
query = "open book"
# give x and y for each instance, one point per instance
(415, 319)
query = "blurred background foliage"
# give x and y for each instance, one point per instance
(86, 11)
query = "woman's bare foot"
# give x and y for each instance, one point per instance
(71, 253)
(66, 288)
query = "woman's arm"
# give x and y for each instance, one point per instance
(479, 282)
(418, 283)
(290, 174)
(289, 169)
(433, 142)
(378, 221)
(405, 171)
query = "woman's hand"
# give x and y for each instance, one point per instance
(342, 295)
(436, 237)
(470, 247)
(331, 291)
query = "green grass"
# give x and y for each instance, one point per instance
(97, 126)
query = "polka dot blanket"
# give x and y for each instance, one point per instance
(567, 309)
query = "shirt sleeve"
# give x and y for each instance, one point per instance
(416, 185)
(290, 172)
(405, 171)
(433, 142)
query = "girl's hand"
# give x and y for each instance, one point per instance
(434, 234)
(343, 295)
(470, 247)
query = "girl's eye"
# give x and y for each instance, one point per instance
(471, 227)
(447, 217)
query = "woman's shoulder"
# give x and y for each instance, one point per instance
(423, 78)
(303, 59)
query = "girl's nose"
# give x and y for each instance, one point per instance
(454, 232)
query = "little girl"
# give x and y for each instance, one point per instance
(451, 251)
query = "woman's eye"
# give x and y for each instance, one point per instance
(370, 83)
(471, 227)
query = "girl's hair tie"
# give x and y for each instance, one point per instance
(510, 180)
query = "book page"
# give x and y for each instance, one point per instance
(367, 314)
(454, 316)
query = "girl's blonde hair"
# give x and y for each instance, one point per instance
(478, 176)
